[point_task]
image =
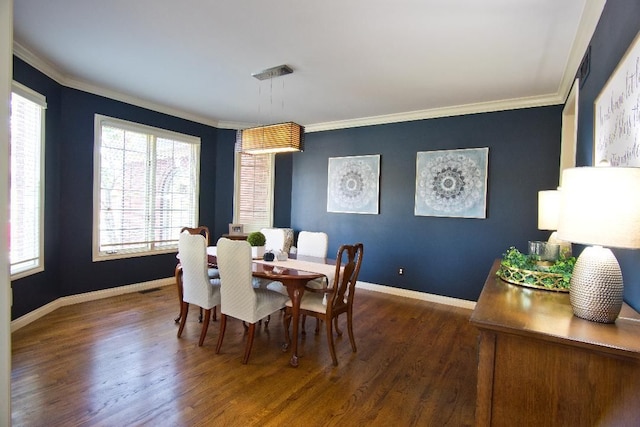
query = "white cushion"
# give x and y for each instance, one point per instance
(313, 244)
(277, 287)
(312, 301)
(320, 283)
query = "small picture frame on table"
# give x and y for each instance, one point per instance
(235, 229)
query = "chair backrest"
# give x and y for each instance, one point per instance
(239, 300)
(192, 251)
(313, 244)
(202, 229)
(276, 238)
(345, 281)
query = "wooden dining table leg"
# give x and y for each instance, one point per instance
(295, 289)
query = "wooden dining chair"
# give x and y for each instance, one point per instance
(340, 295)
(197, 287)
(314, 244)
(239, 298)
(202, 230)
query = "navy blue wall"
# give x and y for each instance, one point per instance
(223, 183)
(69, 143)
(619, 24)
(76, 201)
(39, 289)
(69, 194)
(448, 256)
(444, 256)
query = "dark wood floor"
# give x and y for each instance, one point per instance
(117, 362)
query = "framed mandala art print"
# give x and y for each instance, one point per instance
(353, 184)
(452, 183)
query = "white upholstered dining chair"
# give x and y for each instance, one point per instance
(239, 298)
(313, 243)
(211, 272)
(197, 287)
(278, 239)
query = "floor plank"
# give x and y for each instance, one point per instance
(117, 362)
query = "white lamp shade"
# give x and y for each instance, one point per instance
(548, 209)
(601, 206)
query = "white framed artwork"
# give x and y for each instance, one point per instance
(452, 183)
(353, 184)
(616, 138)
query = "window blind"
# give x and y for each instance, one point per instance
(26, 245)
(148, 188)
(254, 190)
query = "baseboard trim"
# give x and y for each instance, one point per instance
(85, 297)
(137, 287)
(423, 296)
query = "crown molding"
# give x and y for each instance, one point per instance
(483, 107)
(588, 22)
(38, 63)
(138, 102)
(458, 110)
(70, 82)
(587, 26)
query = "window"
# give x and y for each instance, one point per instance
(253, 193)
(145, 188)
(26, 215)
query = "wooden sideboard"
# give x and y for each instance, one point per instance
(539, 365)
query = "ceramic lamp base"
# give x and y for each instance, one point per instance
(596, 290)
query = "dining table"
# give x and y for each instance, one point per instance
(293, 273)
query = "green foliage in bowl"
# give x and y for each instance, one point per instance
(256, 239)
(513, 258)
(564, 266)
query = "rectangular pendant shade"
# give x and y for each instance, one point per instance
(278, 138)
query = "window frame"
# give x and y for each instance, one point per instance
(99, 121)
(41, 101)
(249, 226)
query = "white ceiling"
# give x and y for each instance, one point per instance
(355, 62)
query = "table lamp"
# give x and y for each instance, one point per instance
(599, 206)
(548, 217)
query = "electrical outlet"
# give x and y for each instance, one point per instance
(401, 271)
